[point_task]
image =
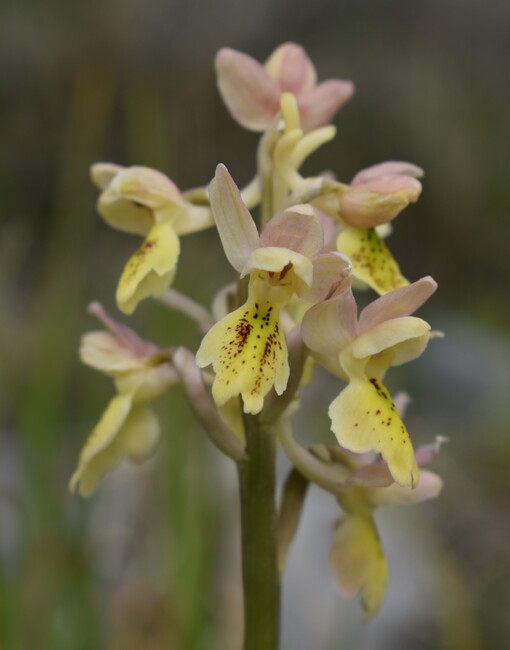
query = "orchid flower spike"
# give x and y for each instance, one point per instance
(375, 196)
(252, 91)
(128, 427)
(145, 202)
(363, 416)
(247, 348)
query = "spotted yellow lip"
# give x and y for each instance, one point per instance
(372, 261)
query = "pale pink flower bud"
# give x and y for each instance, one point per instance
(252, 91)
(379, 193)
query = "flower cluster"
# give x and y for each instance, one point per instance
(293, 306)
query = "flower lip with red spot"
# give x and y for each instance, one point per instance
(247, 348)
(363, 416)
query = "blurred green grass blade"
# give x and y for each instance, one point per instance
(61, 297)
(43, 407)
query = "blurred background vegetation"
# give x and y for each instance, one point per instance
(152, 560)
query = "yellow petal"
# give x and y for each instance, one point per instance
(104, 352)
(134, 198)
(151, 269)
(274, 259)
(149, 187)
(364, 418)
(102, 174)
(140, 434)
(147, 384)
(393, 334)
(290, 111)
(249, 355)
(371, 259)
(192, 219)
(357, 561)
(124, 214)
(310, 142)
(103, 448)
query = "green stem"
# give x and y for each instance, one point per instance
(265, 173)
(267, 201)
(259, 551)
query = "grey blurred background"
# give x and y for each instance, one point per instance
(152, 561)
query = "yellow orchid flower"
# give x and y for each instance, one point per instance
(374, 197)
(363, 416)
(143, 201)
(356, 556)
(128, 427)
(357, 561)
(247, 348)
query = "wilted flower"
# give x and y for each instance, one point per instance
(128, 427)
(363, 416)
(247, 348)
(375, 196)
(252, 91)
(145, 202)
